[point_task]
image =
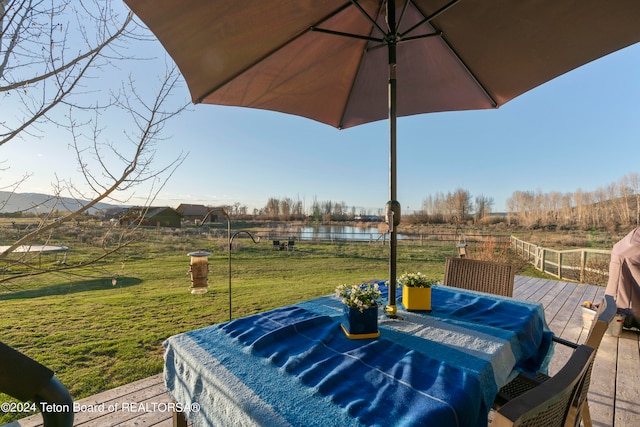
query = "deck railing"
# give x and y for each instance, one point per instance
(584, 265)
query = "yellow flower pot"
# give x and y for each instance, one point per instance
(416, 298)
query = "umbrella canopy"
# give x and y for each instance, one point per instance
(273, 55)
(345, 63)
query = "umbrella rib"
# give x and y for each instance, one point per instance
(369, 18)
(440, 33)
(344, 110)
(422, 36)
(350, 35)
(430, 17)
(364, 51)
(470, 73)
(382, 41)
(404, 9)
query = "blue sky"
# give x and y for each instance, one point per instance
(579, 131)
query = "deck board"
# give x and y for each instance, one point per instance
(627, 410)
(603, 389)
(614, 394)
(149, 392)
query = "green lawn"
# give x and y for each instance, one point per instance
(97, 336)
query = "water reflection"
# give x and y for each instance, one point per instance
(340, 232)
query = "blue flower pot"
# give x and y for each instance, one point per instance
(355, 322)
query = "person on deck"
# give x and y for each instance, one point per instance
(624, 277)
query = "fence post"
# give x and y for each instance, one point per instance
(583, 264)
(560, 265)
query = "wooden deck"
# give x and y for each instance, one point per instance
(149, 392)
(614, 394)
(613, 397)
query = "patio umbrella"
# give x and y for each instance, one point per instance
(345, 63)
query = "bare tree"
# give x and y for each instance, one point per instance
(286, 208)
(566, 207)
(316, 211)
(600, 207)
(272, 208)
(484, 205)
(458, 204)
(634, 183)
(625, 191)
(54, 56)
(588, 209)
(522, 204)
(578, 198)
(435, 206)
(298, 209)
(327, 208)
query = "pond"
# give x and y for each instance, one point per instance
(340, 232)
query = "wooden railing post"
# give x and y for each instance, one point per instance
(559, 265)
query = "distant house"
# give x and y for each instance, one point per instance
(216, 215)
(114, 213)
(193, 213)
(198, 213)
(152, 216)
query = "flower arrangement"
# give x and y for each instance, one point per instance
(416, 280)
(360, 296)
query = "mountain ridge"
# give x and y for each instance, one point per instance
(11, 202)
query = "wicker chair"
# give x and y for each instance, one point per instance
(524, 383)
(484, 276)
(551, 403)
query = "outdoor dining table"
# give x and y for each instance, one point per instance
(294, 366)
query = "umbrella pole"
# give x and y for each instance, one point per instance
(393, 206)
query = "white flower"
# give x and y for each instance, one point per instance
(417, 280)
(360, 296)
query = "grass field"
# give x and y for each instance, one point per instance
(96, 335)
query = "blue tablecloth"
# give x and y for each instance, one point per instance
(294, 365)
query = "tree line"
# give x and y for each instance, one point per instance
(294, 209)
(613, 206)
(455, 206)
